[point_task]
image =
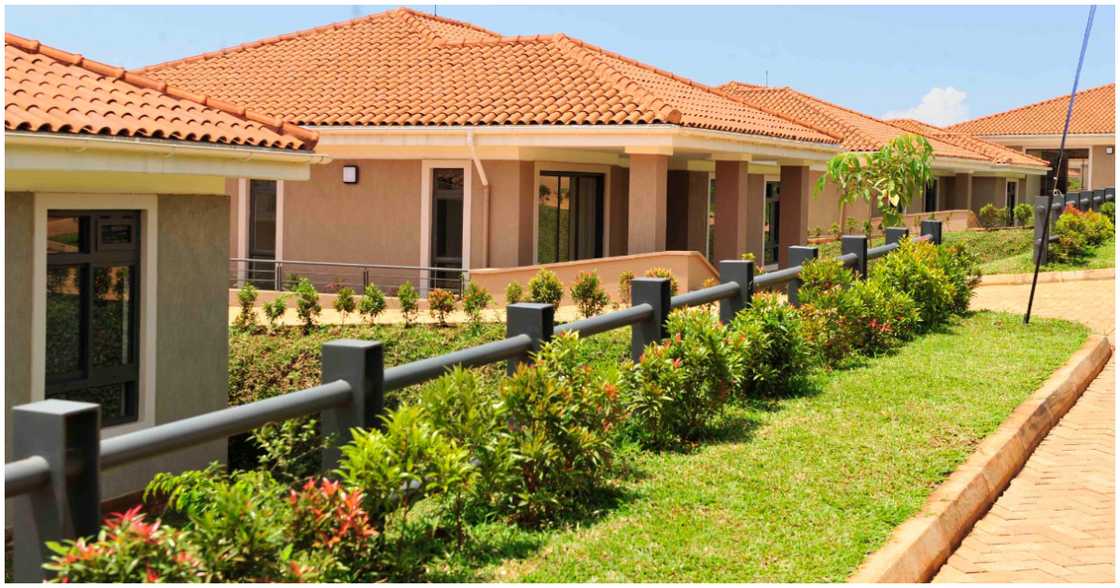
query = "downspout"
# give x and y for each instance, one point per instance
(485, 201)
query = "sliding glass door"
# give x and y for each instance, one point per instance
(569, 216)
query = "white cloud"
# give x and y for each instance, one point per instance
(940, 106)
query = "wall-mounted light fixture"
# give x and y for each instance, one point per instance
(1108, 150)
(349, 174)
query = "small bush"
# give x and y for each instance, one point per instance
(881, 317)
(682, 383)
(247, 298)
(1109, 210)
(546, 288)
(664, 272)
(274, 311)
(992, 217)
(774, 354)
(1024, 214)
(440, 304)
(588, 294)
(826, 308)
(475, 300)
(514, 293)
(624, 280)
(1077, 232)
(345, 303)
(307, 304)
(410, 302)
(372, 303)
(962, 268)
(915, 269)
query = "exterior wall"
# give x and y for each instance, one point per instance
(620, 210)
(648, 185)
(1103, 167)
(988, 191)
(234, 194)
(18, 229)
(794, 203)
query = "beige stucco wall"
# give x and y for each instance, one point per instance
(988, 191)
(18, 214)
(619, 210)
(510, 210)
(1103, 170)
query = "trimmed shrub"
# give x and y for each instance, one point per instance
(410, 302)
(774, 353)
(962, 269)
(1077, 232)
(1024, 214)
(1109, 210)
(624, 280)
(440, 304)
(372, 303)
(825, 307)
(307, 304)
(880, 317)
(915, 269)
(680, 384)
(274, 311)
(992, 217)
(475, 300)
(664, 272)
(514, 293)
(247, 298)
(588, 294)
(546, 288)
(345, 303)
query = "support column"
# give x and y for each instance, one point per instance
(740, 204)
(649, 175)
(963, 187)
(793, 210)
(697, 212)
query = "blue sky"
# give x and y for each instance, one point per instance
(941, 64)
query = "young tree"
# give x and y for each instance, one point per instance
(410, 302)
(372, 304)
(247, 318)
(891, 176)
(345, 303)
(274, 311)
(307, 304)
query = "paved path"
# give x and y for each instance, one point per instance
(1056, 521)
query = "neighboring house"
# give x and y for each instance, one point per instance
(457, 147)
(116, 240)
(969, 172)
(1036, 129)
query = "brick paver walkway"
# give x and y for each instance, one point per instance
(1056, 521)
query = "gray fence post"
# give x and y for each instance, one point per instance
(362, 365)
(856, 244)
(798, 255)
(895, 234)
(532, 319)
(933, 229)
(655, 292)
(741, 272)
(68, 435)
(1041, 217)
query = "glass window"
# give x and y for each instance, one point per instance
(92, 311)
(262, 219)
(447, 218)
(569, 217)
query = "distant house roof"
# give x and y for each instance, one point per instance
(995, 152)
(862, 132)
(48, 90)
(1094, 112)
(403, 67)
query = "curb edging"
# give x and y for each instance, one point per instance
(1107, 273)
(918, 548)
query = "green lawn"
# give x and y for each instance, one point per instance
(1102, 256)
(799, 489)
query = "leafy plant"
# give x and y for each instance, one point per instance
(890, 177)
(274, 311)
(1024, 214)
(513, 293)
(546, 288)
(664, 272)
(410, 302)
(345, 303)
(440, 304)
(247, 298)
(914, 269)
(290, 450)
(624, 280)
(775, 354)
(372, 303)
(307, 304)
(475, 300)
(1109, 210)
(588, 294)
(992, 216)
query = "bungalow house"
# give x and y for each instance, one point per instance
(116, 240)
(969, 172)
(1036, 129)
(458, 148)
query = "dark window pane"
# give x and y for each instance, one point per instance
(111, 315)
(115, 235)
(449, 228)
(262, 221)
(64, 320)
(65, 234)
(448, 180)
(548, 199)
(111, 397)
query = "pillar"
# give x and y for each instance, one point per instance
(649, 175)
(962, 197)
(793, 209)
(740, 206)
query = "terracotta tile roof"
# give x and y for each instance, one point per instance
(993, 151)
(49, 90)
(1094, 112)
(859, 131)
(403, 67)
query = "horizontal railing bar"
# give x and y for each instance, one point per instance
(705, 295)
(24, 475)
(848, 259)
(416, 372)
(341, 264)
(606, 322)
(184, 433)
(777, 277)
(881, 250)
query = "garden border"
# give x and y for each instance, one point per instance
(917, 548)
(1107, 273)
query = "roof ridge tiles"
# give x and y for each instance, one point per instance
(308, 137)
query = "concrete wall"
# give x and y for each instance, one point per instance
(988, 191)
(1103, 169)
(825, 208)
(620, 210)
(510, 215)
(18, 214)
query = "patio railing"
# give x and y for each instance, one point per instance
(59, 454)
(1087, 200)
(329, 277)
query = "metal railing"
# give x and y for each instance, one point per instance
(329, 277)
(60, 454)
(1087, 200)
